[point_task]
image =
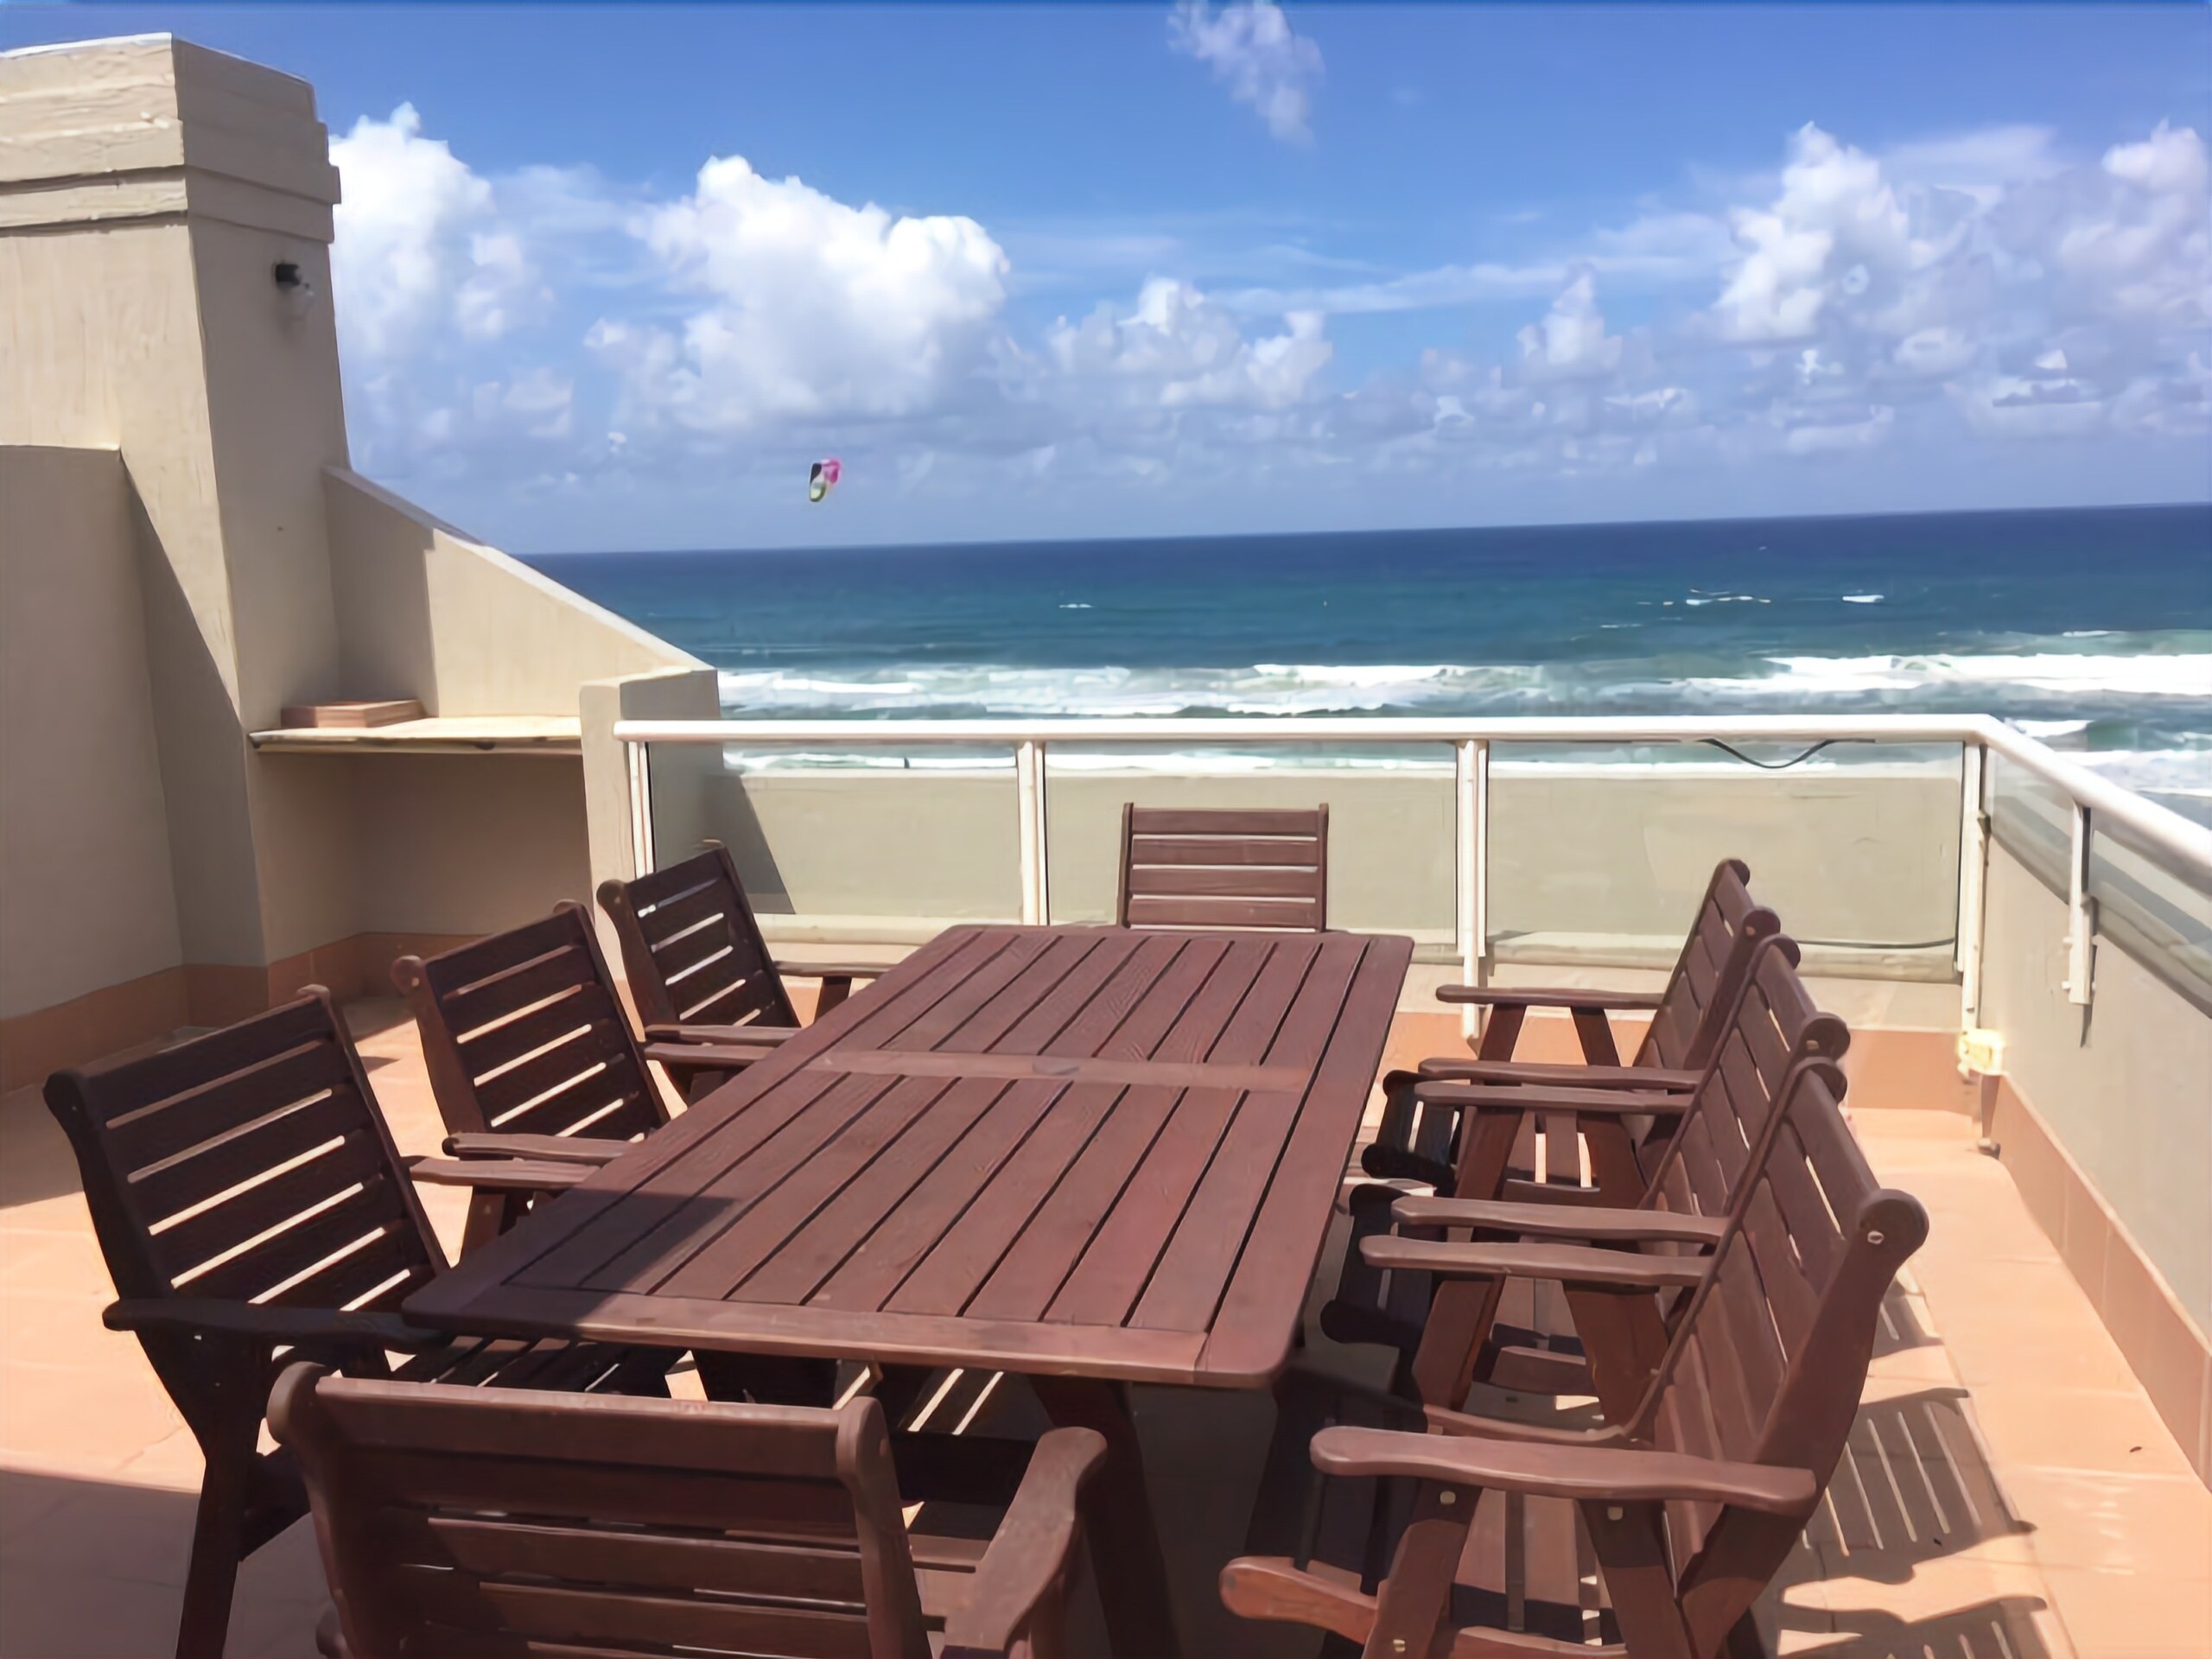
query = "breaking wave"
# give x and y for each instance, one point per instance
(2042, 687)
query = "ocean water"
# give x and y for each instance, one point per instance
(2091, 629)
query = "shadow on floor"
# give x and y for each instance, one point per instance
(35, 1162)
(92, 1569)
(2003, 1629)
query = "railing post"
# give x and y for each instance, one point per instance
(1470, 778)
(1029, 795)
(1973, 875)
(2081, 923)
(641, 807)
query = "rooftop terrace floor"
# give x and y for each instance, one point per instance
(2010, 1493)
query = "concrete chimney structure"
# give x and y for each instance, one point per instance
(184, 554)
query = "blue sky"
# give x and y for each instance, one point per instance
(614, 278)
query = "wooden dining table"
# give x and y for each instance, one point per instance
(1092, 1155)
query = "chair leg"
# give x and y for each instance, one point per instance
(219, 1531)
(487, 1219)
(1743, 1640)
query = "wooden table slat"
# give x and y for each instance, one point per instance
(1037, 1029)
(1193, 1267)
(1165, 1074)
(768, 1221)
(1010, 973)
(1023, 1284)
(855, 1226)
(900, 1340)
(691, 1220)
(1249, 1341)
(1122, 1254)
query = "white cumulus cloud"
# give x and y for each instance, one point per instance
(1251, 47)
(1179, 349)
(812, 308)
(1571, 342)
(419, 246)
(1834, 224)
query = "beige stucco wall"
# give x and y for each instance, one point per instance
(2124, 1085)
(465, 843)
(87, 897)
(148, 188)
(430, 612)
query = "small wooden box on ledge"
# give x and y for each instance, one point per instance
(351, 716)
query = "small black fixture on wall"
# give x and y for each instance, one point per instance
(293, 283)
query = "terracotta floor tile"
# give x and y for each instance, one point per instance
(1998, 1347)
(130, 1532)
(94, 1419)
(54, 1263)
(50, 1614)
(58, 1330)
(25, 1500)
(2127, 1616)
(1947, 1607)
(2117, 1523)
(173, 1462)
(2033, 1426)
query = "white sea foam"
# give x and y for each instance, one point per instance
(1864, 599)
(2149, 674)
(1994, 681)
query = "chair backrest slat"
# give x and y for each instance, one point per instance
(1702, 986)
(250, 1165)
(657, 1526)
(692, 947)
(523, 1033)
(1773, 1354)
(1249, 868)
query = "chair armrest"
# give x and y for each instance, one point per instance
(833, 969)
(289, 1325)
(705, 1057)
(544, 1148)
(1030, 1554)
(753, 1036)
(1620, 1474)
(1593, 1103)
(1547, 996)
(1572, 1264)
(1564, 1077)
(497, 1174)
(1561, 1221)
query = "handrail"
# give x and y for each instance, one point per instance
(2161, 830)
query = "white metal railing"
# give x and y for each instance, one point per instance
(2184, 845)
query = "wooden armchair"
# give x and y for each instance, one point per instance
(695, 959)
(1669, 1168)
(1693, 1499)
(1418, 1137)
(457, 1523)
(531, 1056)
(249, 1201)
(1256, 867)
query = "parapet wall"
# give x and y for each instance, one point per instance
(2104, 1119)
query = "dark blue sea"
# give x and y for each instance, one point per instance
(2091, 628)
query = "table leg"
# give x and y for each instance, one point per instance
(1125, 1552)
